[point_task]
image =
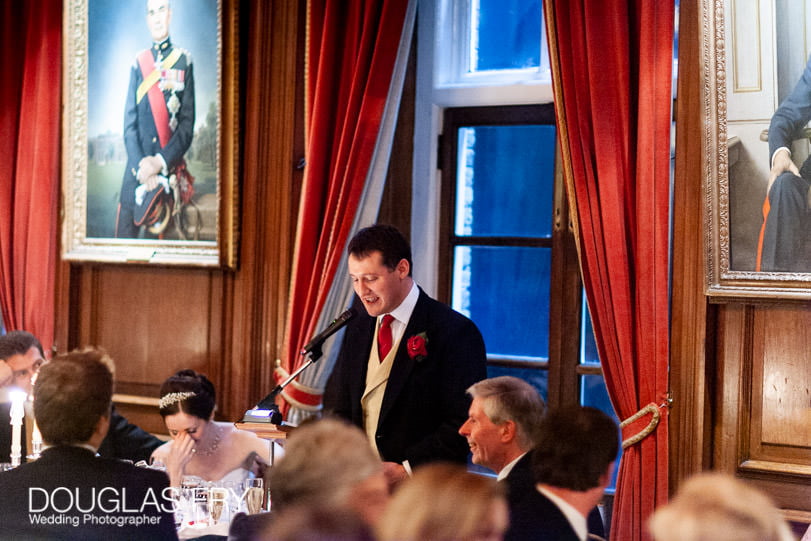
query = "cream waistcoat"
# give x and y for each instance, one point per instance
(377, 376)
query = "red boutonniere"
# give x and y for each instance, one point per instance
(418, 347)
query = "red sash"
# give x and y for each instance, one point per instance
(156, 101)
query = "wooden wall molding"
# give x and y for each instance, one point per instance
(692, 320)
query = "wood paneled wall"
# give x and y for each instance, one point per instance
(227, 324)
(740, 378)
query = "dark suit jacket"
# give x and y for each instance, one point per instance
(521, 487)
(537, 518)
(123, 440)
(792, 115)
(424, 403)
(39, 490)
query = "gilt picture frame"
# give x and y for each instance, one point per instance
(110, 52)
(753, 54)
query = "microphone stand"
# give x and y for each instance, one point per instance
(267, 411)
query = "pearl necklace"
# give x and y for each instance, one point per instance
(214, 444)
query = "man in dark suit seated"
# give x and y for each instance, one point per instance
(572, 463)
(69, 492)
(404, 366)
(503, 419)
(786, 214)
(21, 356)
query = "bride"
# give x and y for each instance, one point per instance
(200, 446)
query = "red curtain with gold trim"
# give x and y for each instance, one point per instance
(29, 163)
(612, 66)
(351, 51)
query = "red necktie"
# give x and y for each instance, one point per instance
(384, 337)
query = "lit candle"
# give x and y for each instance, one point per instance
(16, 414)
(36, 441)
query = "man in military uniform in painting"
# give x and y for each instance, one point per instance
(158, 119)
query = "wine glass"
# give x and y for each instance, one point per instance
(253, 495)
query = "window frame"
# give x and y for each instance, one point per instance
(565, 300)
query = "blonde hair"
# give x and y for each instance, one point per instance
(323, 461)
(441, 502)
(719, 507)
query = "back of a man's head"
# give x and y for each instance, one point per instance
(18, 343)
(322, 463)
(507, 398)
(71, 393)
(576, 446)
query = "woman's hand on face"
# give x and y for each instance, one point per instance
(181, 453)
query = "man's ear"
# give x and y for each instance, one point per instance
(99, 431)
(508, 431)
(6, 374)
(403, 268)
(605, 478)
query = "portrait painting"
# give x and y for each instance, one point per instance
(758, 106)
(149, 126)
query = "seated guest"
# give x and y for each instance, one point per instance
(444, 502)
(22, 351)
(59, 496)
(200, 446)
(503, 418)
(327, 464)
(301, 522)
(572, 463)
(328, 467)
(719, 507)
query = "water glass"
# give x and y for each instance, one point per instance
(194, 500)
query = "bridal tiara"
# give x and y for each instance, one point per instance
(169, 399)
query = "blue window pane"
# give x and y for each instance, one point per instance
(537, 378)
(593, 393)
(588, 346)
(505, 34)
(505, 181)
(518, 277)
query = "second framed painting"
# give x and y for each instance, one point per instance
(757, 97)
(150, 127)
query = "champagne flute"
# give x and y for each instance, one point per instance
(253, 495)
(216, 502)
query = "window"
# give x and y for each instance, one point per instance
(507, 255)
(492, 42)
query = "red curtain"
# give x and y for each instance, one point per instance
(612, 62)
(29, 163)
(352, 48)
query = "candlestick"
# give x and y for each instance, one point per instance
(16, 414)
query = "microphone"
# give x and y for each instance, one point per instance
(337, 324)
(266, 411)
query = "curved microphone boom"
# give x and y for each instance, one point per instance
(337, 324)
(267, 411)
